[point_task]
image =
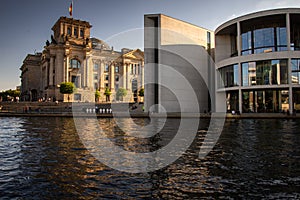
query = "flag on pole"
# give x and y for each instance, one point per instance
(71, 9)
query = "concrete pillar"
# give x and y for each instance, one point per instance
(240, 90)
(291, 106)
(288, 31)
(238, 42)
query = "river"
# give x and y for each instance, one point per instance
(44, 158)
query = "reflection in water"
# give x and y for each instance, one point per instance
(45, 158)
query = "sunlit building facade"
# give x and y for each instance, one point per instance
(179, 65)
(91, 64)
(258, 59)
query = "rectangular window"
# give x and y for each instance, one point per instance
(269, 72)
(81, 33)
(75, 32)
(229, 76)
(77, 97)
(96, 86)
(96, 66)
(106, 68)
(69, 30)
(76, 81)
(264, 40)
(295, 71)
(245, 74)
(246, 43)
(106, 77)
(208, 41)
(134, 69)
(95, 77)
(281, 38)
(116, 69)
(117, 78)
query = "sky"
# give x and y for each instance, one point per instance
(26, 24)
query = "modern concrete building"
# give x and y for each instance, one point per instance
(258, 58)
(90, 63)
(178, 65)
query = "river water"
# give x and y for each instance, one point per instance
(44, 158)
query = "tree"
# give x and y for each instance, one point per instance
(9, 94)
(107, 93)
(97, 95)
(67, 88)
(141, 94)
(121, 93)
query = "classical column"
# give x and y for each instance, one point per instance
(64, 71)
(67, 68)
(51, 71)
(59, 67)
(124, 76)
(86, 72)
(128, 87)
(142, 75)
(102, 78)
(112, 76)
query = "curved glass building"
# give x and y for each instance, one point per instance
(258, 59)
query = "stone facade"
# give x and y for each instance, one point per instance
(72, 56)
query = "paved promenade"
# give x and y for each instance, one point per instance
(104, 110)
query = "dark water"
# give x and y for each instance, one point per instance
(43, 158)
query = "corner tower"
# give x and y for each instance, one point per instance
(72, 30)
(66, 59)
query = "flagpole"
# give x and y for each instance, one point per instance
(71, 9)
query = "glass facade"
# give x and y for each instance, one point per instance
(295, 71)
(232, 101)
(295, 31)
(296, 99)
(262, 101)
(267, 82)
(264, 40)
(268, 72)
(229, 76)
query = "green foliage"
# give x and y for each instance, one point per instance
(141, 92)
(9, 94)
(97, 94)
(107, 92)
(67, 88)
(121, 92)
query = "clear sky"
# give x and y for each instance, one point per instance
(26, 24)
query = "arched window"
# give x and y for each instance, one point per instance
(75, 64)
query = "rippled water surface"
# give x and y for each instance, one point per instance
(44, 158)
